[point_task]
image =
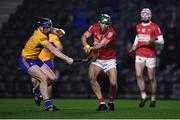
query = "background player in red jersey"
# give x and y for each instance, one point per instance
(148, 34)
(103, 44)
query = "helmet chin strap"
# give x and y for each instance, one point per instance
(103, 30)
(145, 21)
(41, 29)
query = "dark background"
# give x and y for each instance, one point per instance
(75, 16)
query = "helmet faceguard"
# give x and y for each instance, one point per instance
(105, 18)
(146, 15)
(45, 23)
(104, 21)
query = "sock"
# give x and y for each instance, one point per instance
(36, 91)
(101, 100)
(111, 100)
(143, 94)
(153, 97)
(47, 103)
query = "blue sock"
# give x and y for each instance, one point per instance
(48, 103)
(36, 91)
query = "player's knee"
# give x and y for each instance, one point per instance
(113, 83)
(92, 78)
(43, 78)
(139, 76)
(92, 81)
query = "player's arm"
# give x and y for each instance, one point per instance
(58, 53)
(103, 43)
(84, 38)
(57, 31)
(134, 45)
(158, 40)
(58, 44)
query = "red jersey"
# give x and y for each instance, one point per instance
(144, 34)
(108, 51)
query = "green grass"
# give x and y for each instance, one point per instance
(85, 109)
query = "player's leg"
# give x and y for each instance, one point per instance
(48, 69)
(112, 75)
(151, 63)
(38, 74)
(37, 96)
(32, 68)
(36, 92)
(51, 75)
(49, 72)
(94, 71)
(139, 67)
(35, 84)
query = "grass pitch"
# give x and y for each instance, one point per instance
(86, 109)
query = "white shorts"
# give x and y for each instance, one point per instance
(149, 62)
(105, 64)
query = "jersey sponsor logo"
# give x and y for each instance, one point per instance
(143, 37)
(143, 30)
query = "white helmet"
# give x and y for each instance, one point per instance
(146, 15)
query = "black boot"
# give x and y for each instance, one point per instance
(111, 106)
(152, 103)
(102, 107)
(142, 103)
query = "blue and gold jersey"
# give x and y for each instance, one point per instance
(46, 54)
(34, 45)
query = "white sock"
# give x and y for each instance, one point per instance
(153, 98)
(143, 95)
(102, 102)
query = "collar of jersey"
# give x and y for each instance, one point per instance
(146, 24)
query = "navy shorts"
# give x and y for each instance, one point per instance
(25, 64)
(49, 63)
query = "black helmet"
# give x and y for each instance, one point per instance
(45, 22)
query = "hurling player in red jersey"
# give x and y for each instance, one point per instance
(148, 34)
(103, 44)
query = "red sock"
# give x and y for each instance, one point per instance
(101, 100)
(111, 100)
